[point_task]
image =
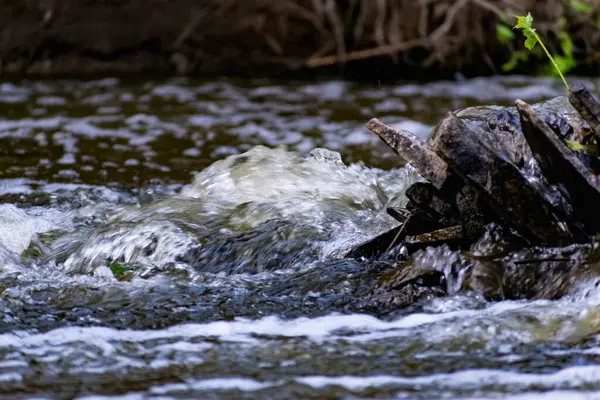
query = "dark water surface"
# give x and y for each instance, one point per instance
(184, 239)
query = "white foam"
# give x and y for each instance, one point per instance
(17, 227)
(240, 330)
(243, 384)
(132, 396)
(555, 395)
(568, 378)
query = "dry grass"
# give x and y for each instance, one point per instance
(233, 36)
(433, 34)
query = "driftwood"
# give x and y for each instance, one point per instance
(444, 235)
(398, 214)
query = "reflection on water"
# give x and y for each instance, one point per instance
(184, 239)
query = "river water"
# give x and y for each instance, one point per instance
(185, 239)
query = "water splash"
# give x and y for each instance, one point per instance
(232, 284)
(262, 210)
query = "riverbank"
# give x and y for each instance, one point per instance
(360, 39)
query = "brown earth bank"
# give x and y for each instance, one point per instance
(366, 39)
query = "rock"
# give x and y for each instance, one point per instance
(428, 198)
(563, 168)
(546, 273)
(500, 184)
(500, 129)
(427, 163)
(587, 105)
(472, 213)
(404, 286)
(483, 276)
(495, 172)
(394, 238)
(559, 125)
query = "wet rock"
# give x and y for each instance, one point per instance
(428, 198)
(507, 168)
(427, 163)
(472, 213)
(499, 128)
(559, 125)
(485, 277)
(500, 184)
(504, 121)
(563, 168)
(381, 246)
(546, 273)
(508, 137)
(587, 105)
(404, 286)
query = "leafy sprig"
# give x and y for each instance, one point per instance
(532, 38)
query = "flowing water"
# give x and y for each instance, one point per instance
(185, 239)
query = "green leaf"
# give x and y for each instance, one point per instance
(526, 24)
(582, 7)
(574, 145)
(514, 61)
(531, 41)
(504, 33)
(121, 271)
(510, 64)
(566, 43)
(565, 64)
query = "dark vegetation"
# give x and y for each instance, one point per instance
(368, 39)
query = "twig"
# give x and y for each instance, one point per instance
(400, 231)
(489, 6)
(363, 54)
(359, 27)
(379, 22)
(338, 29)
(189, 28)
(314, 19)
(324, 49)
(448, 21)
